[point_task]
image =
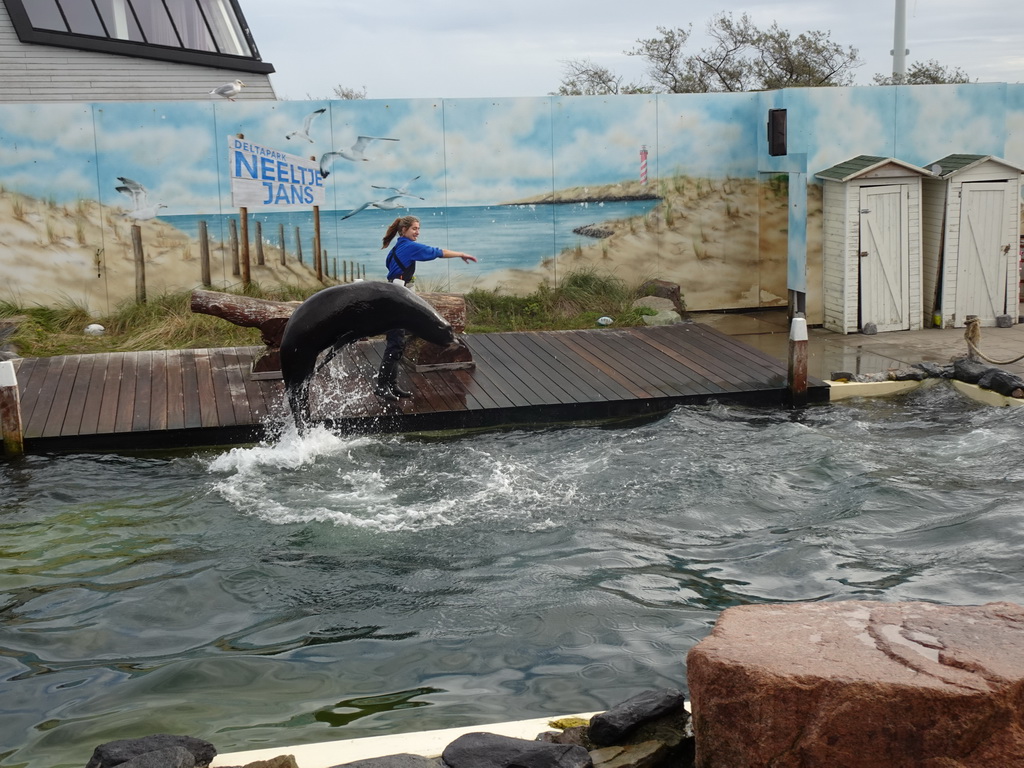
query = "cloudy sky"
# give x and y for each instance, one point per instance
(463, 49)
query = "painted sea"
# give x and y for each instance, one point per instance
(500, 236)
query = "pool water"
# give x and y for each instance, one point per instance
(333, 587)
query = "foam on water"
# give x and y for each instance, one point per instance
(387, 483)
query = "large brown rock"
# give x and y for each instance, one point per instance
(860, 685)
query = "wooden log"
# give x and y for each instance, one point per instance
(451, 306)
(243, 217)
(204, 254)
(260, 258)
(423, 356)
(798, 363)
(270, 317)
(140, 264)
(318, 266)
(11, 429)
(236, 268)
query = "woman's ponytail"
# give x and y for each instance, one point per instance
(400, 224)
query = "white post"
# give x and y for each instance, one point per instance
(899, 43)
(10, 411)
(798, 362)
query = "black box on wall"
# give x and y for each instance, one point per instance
(776, 132)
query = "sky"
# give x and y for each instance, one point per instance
(461, 49)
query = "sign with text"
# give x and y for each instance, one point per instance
(261, 176)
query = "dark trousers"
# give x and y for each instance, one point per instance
(397, 338)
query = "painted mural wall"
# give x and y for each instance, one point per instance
(678, 187)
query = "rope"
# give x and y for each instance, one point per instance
(972, 334)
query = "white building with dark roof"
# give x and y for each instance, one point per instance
(126, 50)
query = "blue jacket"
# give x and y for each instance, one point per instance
(401, 260)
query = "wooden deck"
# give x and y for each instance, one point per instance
(206, 397)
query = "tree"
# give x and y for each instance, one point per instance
(742, 57)
(929, 72)
(585, 78)
(342, 92)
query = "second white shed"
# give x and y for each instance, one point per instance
(971, 237)
(871, 257)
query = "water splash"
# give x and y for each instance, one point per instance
(390, 483)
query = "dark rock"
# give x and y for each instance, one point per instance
(670, 317)
(869, 329)
(392, 761)
(647, 754)
(965, 369)
(1003, 382)
(934, 370)
(593, 230)
(121, 751)
(613, 726)
(281, 761)
(172, 757)
(663, 289)
(578, 735)
(488, 750)
(673, 730)
(909, 374)
(1004, 321)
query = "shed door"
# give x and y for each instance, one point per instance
(981, 261)
(884, 258)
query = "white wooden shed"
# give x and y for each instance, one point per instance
(971, 235)
(871, 252)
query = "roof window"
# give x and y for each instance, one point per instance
(206, 32)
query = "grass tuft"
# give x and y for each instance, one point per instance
(166, 321)
(577, 302)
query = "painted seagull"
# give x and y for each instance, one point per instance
(306, 124)
(402, 190)
(228, 90)
(141, 208)
(387, 204)
(355, 153)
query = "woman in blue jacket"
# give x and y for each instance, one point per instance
(401, 263)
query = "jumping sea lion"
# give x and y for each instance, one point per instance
(334, 317)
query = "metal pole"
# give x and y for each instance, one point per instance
(899, 42)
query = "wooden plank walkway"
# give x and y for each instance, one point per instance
(206, 397)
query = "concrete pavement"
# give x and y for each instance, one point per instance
(768, 331)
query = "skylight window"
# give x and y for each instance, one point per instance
(191, 31)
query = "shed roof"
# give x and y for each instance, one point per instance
(953, 164)
(863, 165)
